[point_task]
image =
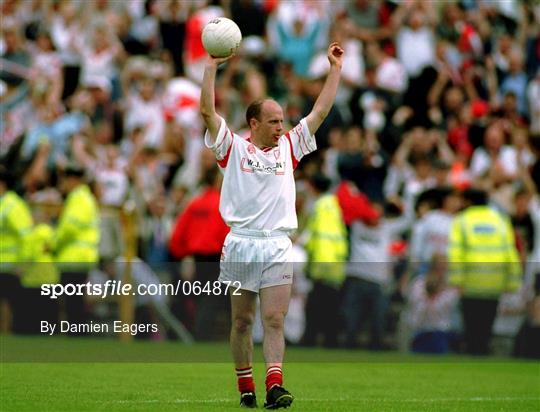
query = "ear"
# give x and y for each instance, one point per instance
(253, 123)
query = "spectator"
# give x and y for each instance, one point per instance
(516, 81)
(389, 73)
(412, 170)
(17, 62)
(527, 342)
(364, 163)
(99, 58)
(114, 185)
(172, 28)
(296, 29)
(76, 239)
(415, 43)
(363, 13)
(355, 205)
(366, 20)
(369, 277)
(533, 101)
(526, 222)
(523, 224)
(431, 307)
(494, 161)
(47, 62)
(430, 232)
(155, 232)
(172, 152)
(144, 28)
(250, 17)
(148, 172)
(326, 246)
(32, 307)
(484, 263)
(144, 108)
(204, 245)
(15, 227)
(67, 28)
(336, 147)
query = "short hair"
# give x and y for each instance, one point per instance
(7, 178)
(421, 159)
(254, 110)
(476, 197)
(320, 182)
(73, 170)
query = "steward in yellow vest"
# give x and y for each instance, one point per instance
(15, 228)
(327, 247)
(484, 263)
(41, 270)
(327, 244)
(77, 238)
(77, 234)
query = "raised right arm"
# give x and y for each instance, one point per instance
(211, 119)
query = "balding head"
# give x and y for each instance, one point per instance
(255, 109)
(265, 120)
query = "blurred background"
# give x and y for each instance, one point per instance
(100, 123)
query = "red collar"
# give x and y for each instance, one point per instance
(266, 149)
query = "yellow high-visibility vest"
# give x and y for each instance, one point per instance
(482, 253)
(77, 235)
(42, 269)
(327, 244)
(15, 227)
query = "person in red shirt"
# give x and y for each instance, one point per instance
(199, 231)
(355, 205)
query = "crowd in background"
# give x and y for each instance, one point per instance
(435, 98)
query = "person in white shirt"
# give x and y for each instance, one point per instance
(415, 44)
(431, 305)
(258, 203)
(390, 74)
(430, 233)
(369, 276)
(494, 154)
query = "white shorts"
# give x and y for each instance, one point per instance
(257, 259)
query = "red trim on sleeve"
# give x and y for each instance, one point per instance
(223, 162)
(294, 159)
(223, 140)
(301, 138)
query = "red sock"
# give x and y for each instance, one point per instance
(245, 379)
(274, 376)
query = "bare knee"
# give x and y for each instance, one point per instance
(242, 324)
(274, 320)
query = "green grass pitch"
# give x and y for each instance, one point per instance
(62, 374)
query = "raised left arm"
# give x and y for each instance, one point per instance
(324, 102)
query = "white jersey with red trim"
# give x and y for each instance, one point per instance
(258, 189)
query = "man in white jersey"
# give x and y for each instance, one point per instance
(258, 203)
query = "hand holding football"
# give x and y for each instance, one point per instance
(221, 37)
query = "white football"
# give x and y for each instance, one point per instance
(221, 37)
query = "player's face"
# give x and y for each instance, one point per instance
(270, 128)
